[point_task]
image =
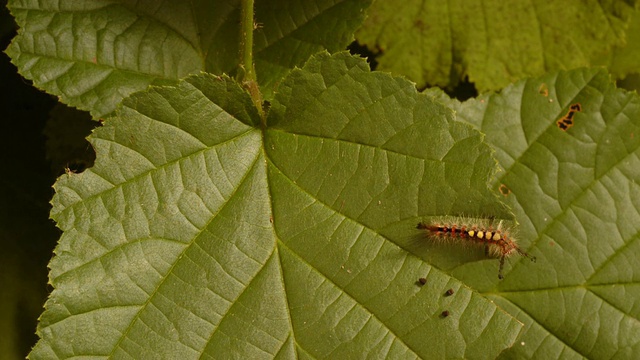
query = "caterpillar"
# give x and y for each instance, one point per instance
(495, 235)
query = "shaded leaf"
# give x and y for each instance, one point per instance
(197, 233)
(624, 60)
(576, 195)
(93, 54)
(490, 42)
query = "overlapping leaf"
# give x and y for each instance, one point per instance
(93, 54)
(198, 233)
(576, 193)
(493, 42)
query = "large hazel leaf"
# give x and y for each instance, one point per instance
(576, 193)
(200, 232)
(624, 60)
(494, 42)
(92, 54)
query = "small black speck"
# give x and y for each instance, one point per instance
(445, 313)
(449, 292)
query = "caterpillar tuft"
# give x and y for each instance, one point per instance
(497, 236)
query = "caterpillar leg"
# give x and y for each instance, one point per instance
(500, 276)
(532, 258)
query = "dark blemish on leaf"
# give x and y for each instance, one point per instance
(566, 122)
(422, 281)
(445, 313)
(449, 292)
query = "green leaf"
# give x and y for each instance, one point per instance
(492, 42)
(624, 60)
(197, 233)
(576, 194)
(291, 31)
(92, 54)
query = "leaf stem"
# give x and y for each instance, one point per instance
(249, 78)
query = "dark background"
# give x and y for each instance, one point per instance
(27, 236)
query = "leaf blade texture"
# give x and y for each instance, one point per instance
(575, 193)
(196, 232)
(492, 44)
(93, 54)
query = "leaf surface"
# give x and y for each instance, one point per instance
(623, 60)
(493, 43)
(576, 194)
(92, 54)
(198, 232)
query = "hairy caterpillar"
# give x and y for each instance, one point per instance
(495, 235)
